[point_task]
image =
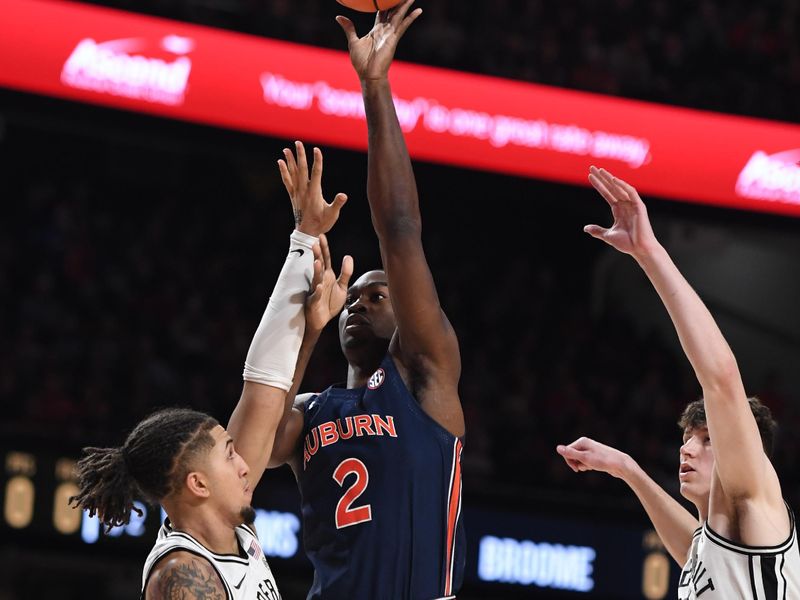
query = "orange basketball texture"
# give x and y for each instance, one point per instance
(369, 5)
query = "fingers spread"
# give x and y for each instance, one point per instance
(339, 201)
(613, 184)
(291, 164)
(603, 175)
(603, 188)
(348, 28)
(318, 264)
(326, 251)
(408, 21)
(399, 13)
(302, 161)
(286, 177)
(596, 231)
(316, 295)
(316, 168)
(346, 273)
(316, 280)
(628, 188)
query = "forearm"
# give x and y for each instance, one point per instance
(290, 427)
(673, 523)
(310, 339)
(272, 358)
(700, 337)
(391, 188)
(273, 351)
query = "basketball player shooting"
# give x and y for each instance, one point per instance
(743, 544)
(378, 461)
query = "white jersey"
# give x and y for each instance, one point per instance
(246, 575)
(719, 569)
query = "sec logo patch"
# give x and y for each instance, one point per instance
(376, 380)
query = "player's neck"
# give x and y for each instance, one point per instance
(361, 367)
(358, 375)
(213, 532)
(702, 510)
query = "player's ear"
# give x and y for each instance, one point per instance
(197, 484)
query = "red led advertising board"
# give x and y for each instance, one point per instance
(182, 71)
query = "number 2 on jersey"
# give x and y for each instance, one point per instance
(346, 516)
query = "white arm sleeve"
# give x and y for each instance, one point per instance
(273, 352)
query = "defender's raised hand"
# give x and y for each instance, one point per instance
(328, 291)
(372, 54)
(631, 232)
(312, 214)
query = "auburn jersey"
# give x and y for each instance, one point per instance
(380, 483)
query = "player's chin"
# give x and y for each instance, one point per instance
(355, 336)
(688, 491)
(248, 514)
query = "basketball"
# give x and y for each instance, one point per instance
(369, 5)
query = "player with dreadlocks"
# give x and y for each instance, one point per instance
(186, 461)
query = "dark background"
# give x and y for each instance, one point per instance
(137, 255)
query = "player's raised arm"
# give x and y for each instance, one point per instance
(425, 343)
(673, 523)
(324, 303)
(327, 297)
(744, 470)
(273, 355)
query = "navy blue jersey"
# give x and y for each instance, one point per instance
(381, 494)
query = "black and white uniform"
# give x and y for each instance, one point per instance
(246, 575)
(719, 569)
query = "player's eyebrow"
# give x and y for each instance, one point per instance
(366, 285)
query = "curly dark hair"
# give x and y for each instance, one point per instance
(694, 416)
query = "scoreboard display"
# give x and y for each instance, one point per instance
(36, 488)
(531, 555)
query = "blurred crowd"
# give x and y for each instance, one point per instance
(121, 292)
(141, 287)
(734, 56)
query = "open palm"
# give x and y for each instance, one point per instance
(328, 291)
(372, 54)
(312, 214)
(631, 232)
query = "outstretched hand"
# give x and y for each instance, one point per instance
(585, 454)
(328, 292)
(631, 232)
(372, 54)
(312, 214)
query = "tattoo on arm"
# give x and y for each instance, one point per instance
(298, 216)
(191, 580)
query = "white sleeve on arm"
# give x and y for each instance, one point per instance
(273, 352)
